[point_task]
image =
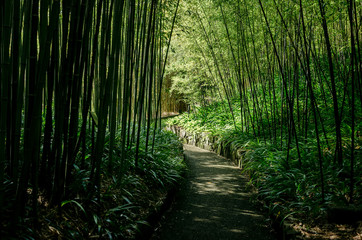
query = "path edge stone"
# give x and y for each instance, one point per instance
(207, 141)
(146, 231)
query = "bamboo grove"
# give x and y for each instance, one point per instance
(294, 67)
(70, 72)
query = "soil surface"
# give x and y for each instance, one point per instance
(212, 203)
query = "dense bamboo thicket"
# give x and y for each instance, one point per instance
(294, 67)
(82, 81)
(71, 71)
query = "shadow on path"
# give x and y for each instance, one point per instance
(212, 203)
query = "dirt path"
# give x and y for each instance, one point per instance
(212, 203)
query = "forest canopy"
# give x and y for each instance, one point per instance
(286, 72)
(84, 84)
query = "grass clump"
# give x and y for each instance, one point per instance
(128, 196)
(272, 162)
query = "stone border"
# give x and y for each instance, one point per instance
(207, 141)
(145, 231)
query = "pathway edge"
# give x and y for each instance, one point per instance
(209, 142)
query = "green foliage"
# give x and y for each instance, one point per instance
(283, 186)
(211, 118)
(79, 81)
(127, 193)
(290, 101)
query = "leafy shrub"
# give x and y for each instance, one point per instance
(281, 183)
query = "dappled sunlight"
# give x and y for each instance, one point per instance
(196, 219)
(236, 230)
(215, 175)
(221, 184)
(218, 166)
(214, 198)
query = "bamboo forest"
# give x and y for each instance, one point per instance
(114, 115)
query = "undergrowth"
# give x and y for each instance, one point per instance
(285, 188)
(128, 194)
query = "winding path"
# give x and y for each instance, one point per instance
(212, 203)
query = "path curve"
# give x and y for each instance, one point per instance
(212, 203)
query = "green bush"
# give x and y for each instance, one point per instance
(280, 182)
